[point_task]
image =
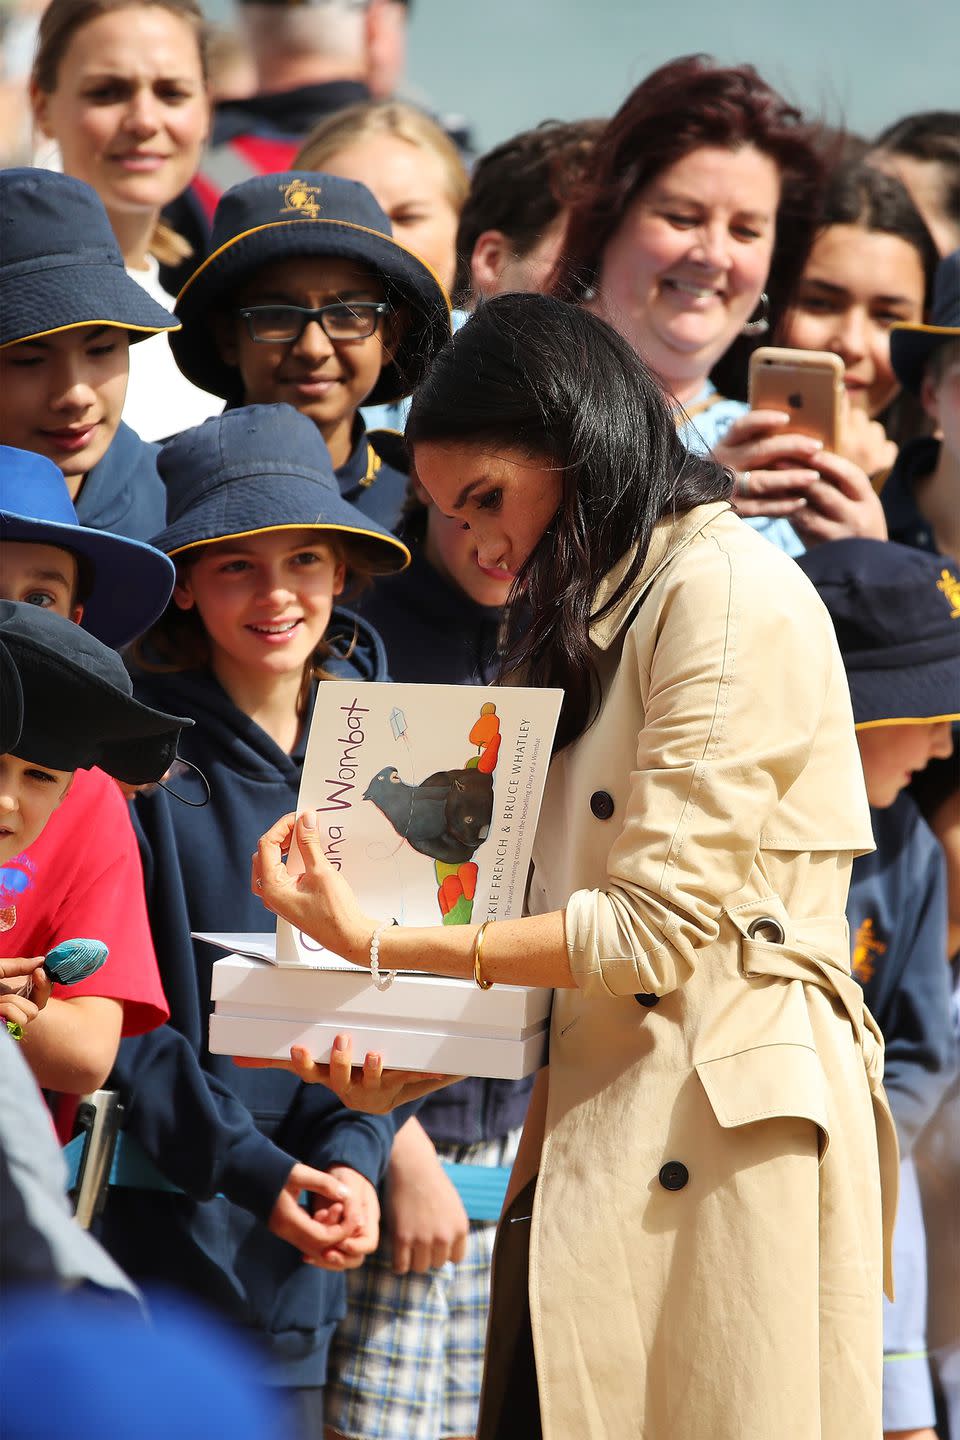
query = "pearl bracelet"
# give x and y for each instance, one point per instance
(383, 979)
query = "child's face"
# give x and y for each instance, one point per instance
(63, 394)
(893, 754)
(264, 600)
(29, 794)
(43, 575)
(327, 380)
(452, 550)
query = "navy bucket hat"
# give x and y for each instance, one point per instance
(131, 582)
(912, 345)
(78, 704)
(60, 264)
(276, 217)
(896, 612)
(257, 468)
(11, 702)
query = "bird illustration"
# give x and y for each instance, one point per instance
(447, 816)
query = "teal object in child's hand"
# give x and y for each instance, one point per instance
(74, 960)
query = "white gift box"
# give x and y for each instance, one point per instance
(262, 1009)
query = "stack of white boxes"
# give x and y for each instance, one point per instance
(261, 1009)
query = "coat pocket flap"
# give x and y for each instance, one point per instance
(767, 1082)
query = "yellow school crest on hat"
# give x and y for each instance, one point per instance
(950, 586)
(867, 949)
(301, 199)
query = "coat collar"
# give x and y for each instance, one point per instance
(668, 538)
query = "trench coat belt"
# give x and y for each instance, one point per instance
(806, 961)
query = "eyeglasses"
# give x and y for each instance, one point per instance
(272, 324)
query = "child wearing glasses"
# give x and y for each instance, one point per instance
(306, 300)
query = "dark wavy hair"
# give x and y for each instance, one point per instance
(683, 106)
(533, 375)
(858, 193)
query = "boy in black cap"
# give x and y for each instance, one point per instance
(82, 877)
(898, 624)
(77, 711)
(307, 300)
(68, 312)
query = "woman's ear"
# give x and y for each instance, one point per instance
(40, 105)
(339, 578)
(491, 251)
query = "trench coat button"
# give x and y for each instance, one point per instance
(766, 928)
(647, 1001)
(601, 803)
(674, 1175)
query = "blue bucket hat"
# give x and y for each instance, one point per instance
(912, 345)
(60, 264)
(276, 217)
(896, 612)
(262, 467)
(131, 582)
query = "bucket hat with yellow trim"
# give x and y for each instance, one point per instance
(60, 264)
(274, 217)
(258, 468)
(912, 345)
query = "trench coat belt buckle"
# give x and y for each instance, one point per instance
(806, 962)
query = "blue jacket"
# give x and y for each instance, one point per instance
(897, 911)
(124, 493)
(226, 1136)
(435, 634)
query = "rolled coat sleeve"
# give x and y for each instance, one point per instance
(728, 701)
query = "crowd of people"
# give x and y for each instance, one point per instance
(418, 415)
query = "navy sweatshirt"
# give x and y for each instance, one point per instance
(227, 1136)
(897, 911)
(124, 493)
(435, 634)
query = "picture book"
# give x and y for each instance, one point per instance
(427, 799)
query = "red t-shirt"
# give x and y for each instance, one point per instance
(82, 880)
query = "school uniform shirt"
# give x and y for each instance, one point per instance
(435, 634)
(124, 492)
(227, 1137)
(374, 476)
(897, 911)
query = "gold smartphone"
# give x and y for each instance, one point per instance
(807, 384)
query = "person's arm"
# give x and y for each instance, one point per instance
(424, 1214)
(735, 698)
(72, 1044)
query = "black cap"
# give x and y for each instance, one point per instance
(78, 705)
(896, 612)
(912, 345)
(11, 702)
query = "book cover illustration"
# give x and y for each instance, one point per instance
(427, 798)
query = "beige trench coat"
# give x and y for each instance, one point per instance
(712, 1220)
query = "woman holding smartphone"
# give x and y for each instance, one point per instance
(699, 1185)
(689, 232)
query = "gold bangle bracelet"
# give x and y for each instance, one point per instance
(482, 982)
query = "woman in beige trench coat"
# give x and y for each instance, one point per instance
(709, 1154)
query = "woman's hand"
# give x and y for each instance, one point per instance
(774, 467)
(367, 1087)
(842, 503)
(319, 901)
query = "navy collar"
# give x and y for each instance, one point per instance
(285, 114)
